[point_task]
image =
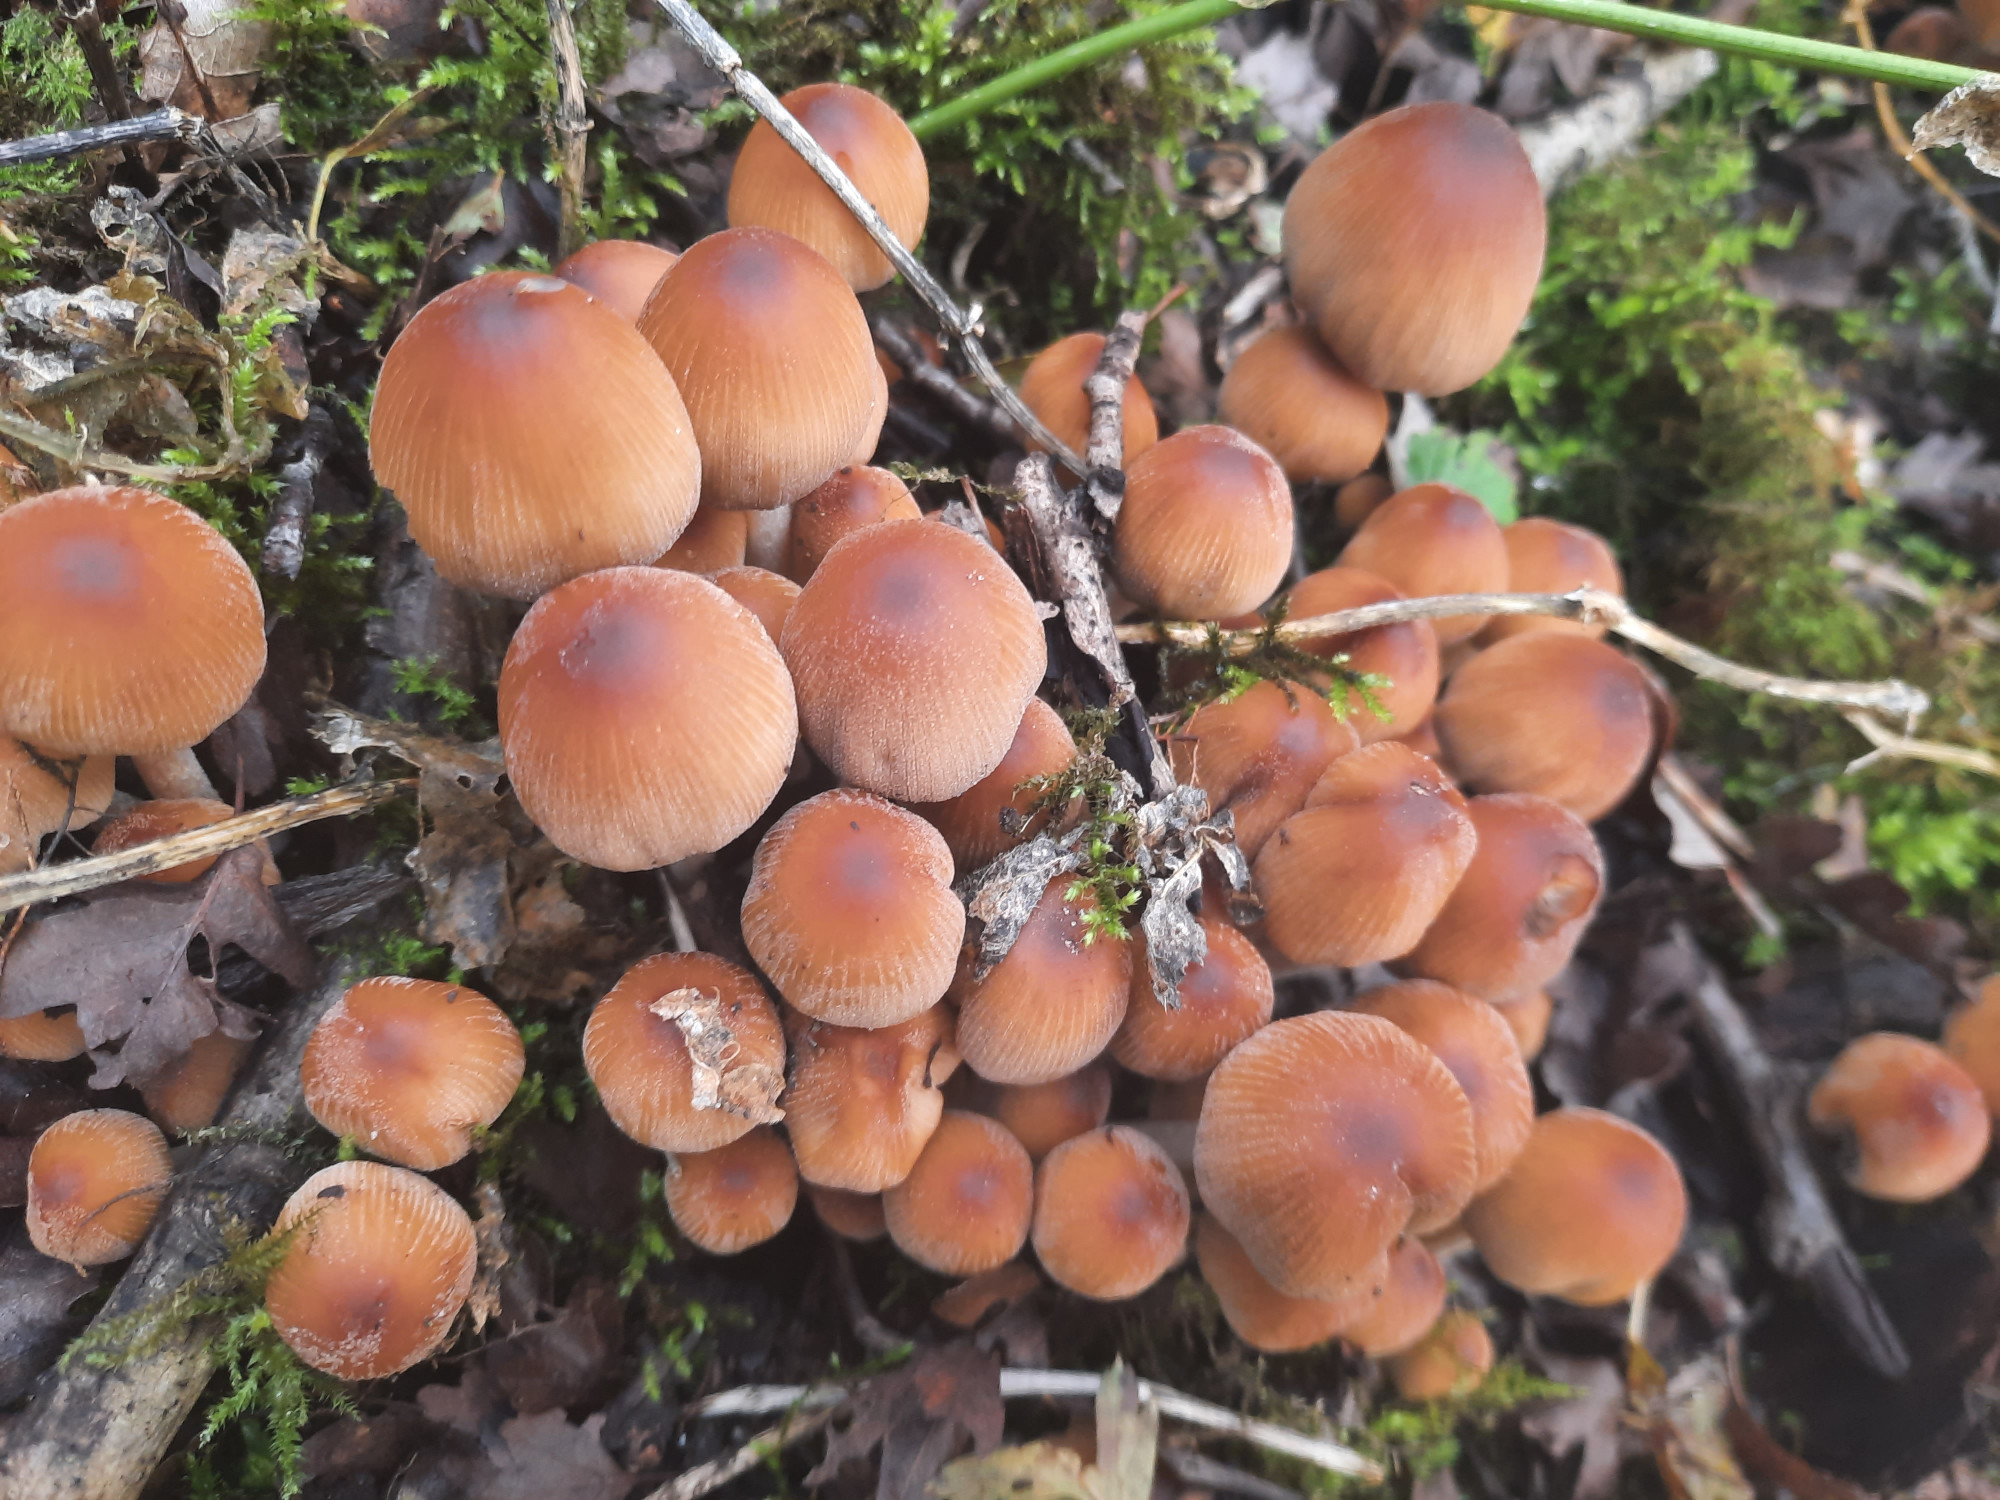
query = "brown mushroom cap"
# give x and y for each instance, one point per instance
(915, 650)
(532, 436)
(852, 1216)
(1560, 716)
(1111, 1213)
(1414, 243)
(1450, 1360)
(1983, 16)
(735, 1196)
(1359, 498)
(1528, 1017)
(1262, 1316)
(43, 1036)
(767, 595)
(1592, 1207)
(772, 355)
(857, 496)
(95, 1181)
(714, 539)
(1405, 653)
(966, 1205)
(1430, 540)
(1364, 869)
(189, 1094)
(1520, 909)
(1205, 530)
(970, 822)
(1972, 1040)
(1324, 1137)
(379, 1265)
(1258, 754)
(1053, 1003)
(164, 818)
(1915, 1122)
(1413, 1293)
(1052, 388)
(1224, 999)
(1041, 1116)
(38, 795)
(619, 273)
(1287, 394)
(127, 624)
(410, 1068)
(860, 1105)
(645, 716)
(654, 1088)
(771, 184)
(1546, 556)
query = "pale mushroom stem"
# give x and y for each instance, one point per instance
(765, 547)
(174, 773)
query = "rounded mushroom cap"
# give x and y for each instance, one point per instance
(1414, 244)
(645, 716)
(410, 1068)
(1592, 1207)
(735, 1196)
(966, 1205)
(1287, 394)
(532, 436)
(1527, 1016)
(1915, 1122)
(1560, 716)
(1546, 556)
(1405, 653)
(1359, 498)
(619, 273)
(43, 1036)
(1206, 527)
(856, 497)
(714, 539)
(1474, 1041)
(1053, 1003)
(379, 1265)
(189, 1094)
(767, 595)
(850, 910)
(772, 355)
(1052, 388)
(686, 1052)
(1520, 909)
(1431, 540)
(127, 624)
(1972, 1040)
(852, 1216)
(1364, 869)
(1111, 1213)
(1224, 999)
(1324, 1137)
(1938, 32)
(164, 818)
(95, 1181)
(1258, 754)
(1450, 1360)
(1262, 1316)
(860, 1104)
(1412, 1297)
(915, 650)
(37, 797)
(1041, 1116)
(771, 184)
(970, 822)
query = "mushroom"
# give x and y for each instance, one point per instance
(1359, 498)
(767, 595)
(1414, 243)
(1111, 1213)
(43, 1036)
(1592, 1207)
(377, 1265)
(1052, 388)
(1041, 1116)
(645, 716)
(1913, 1122)
(967, 1203)
(861, 1104)
(619, 273)
(857, 496)
(972, 822)
(1261, 1315)
(187, 1095)
(1405, 653)
(1225, 998)
(1412, 1297)
(532, 436)
(735, 1196)
(1972, 1039)
(147, 821)
(1431, 540)
(1527, 1016)
(1546, 556)
(714, 539)
(1258, 754)
(411, 1068)
(852, 1216)
(40, 794)
(95, 1181)
(1287, 394)
(1449, 1361)
(1205, 530)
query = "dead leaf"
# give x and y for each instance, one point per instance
(378, 1444)
(1032, 1471)
(561, 1362)
(1968, 116)
(719, 1080)
(1682, 1416)
(920, 1416)
(1591, 1417)
(36, 1294)
(534, 1458)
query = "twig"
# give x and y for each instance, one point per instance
(160, 125)
(285, 537)
(570, 121)
(1612, 121)
(1105, 386)
(704, 1479)
(104, 76)
(1892, 746)
(966, 405)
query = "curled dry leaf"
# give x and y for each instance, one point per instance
(1968, 116)
(720, 1081)
(920, 1415)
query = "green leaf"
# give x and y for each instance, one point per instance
(1465, 462)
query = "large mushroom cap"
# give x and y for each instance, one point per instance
(619, 273)
(860, 1105)
(1259, 753)
(532, 435)
(1914, 1121)
(127, 624)
(735, 1196)
(1224, 999)
(1291, 397)
(1111, 1213)
(645, 716)
(1546, 556)
(1405, 653)
(1052, 388)
(1431, 540)
(95, 1181)
(1205, 530)
(1261, 1315)
(970, 822)
(967, 1203)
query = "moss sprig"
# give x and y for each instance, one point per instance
(1093, 789)
(1224, 675)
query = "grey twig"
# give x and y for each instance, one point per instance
(570, 125)
(285, 536)
(706, 1479)
(968, 406)
(160, 125)
(1105, 386)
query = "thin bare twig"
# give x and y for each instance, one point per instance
(160, 125)
(1105, 386)
(570, 124)
(284, 550)
(705, 1479)
(1892, 746)
(942, 385)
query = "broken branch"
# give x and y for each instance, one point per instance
(160, 125)
(570, 124)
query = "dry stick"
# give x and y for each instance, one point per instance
(571, 120)
(284, 550)
(160, 125)
(1892, 746)
(961, 325)
(1105, 386)
(704, 1479)
(967, 406)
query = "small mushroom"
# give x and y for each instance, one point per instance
(164, 818)
(852, 1216)
(857, 496)
(1041, 1116)
(1290, 396)
(1449, 1361)
(1527, 1016)
(767, 595)
(1546, 556)
(971, 821)
(1052, 388)
(619, 273)
(43, 1036)
(861, 1104)
(1405, 653)
(1972, 1039)
(96, 1180)
(1258, 754)
(1431, 540)
(1261, 1315)
(735, 1196)
(1111, 1213)
(1205, 530)
(967, 1204)
(1914, 1122)
(1225, 998)
(188, 1094)
(1412, 1296)
(714, 540)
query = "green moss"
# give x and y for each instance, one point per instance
(48, 87)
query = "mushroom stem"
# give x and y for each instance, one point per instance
(764, 546)
(175, 773)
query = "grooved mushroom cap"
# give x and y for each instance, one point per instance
(1111, 1213)
(645, 716)
(1412, 1297)
(1206, 527)
(379, 1267)
(1914, 1121)
(1592, 1207)
(160, 819)
(1553, 557)
(714, 539)
(95, 1181)
(859, 1105)
(43, 1036)
(1324, 1137)
(970, 822)
(767, 595)
(858, 496)
(1287, 394)
(1522, 905)
(1258, 754)
(1262, 1316)
(1414, 243)
(1224, 999)
(773, 357)
(1561, 716)
(1406, 653)
(1431, 540)
(1972, 1040)
(915, 650)
(636, 1048)
(850, 910)
(36, 797)
(1052, 388)
(771, 184)
(852, 1216)
(1450, 1360)
(735, 1196)
(619, 273)
(1527, 1016)
(189, 1094)
(410, 1068)
(1359, 874)
(127, 624)
(1044, 1115)
(1053, 1003)
(966, 1205)
(532, 436)
(1474, 1041)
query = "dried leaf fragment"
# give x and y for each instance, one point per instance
(719, 1081)
(1968, 116)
